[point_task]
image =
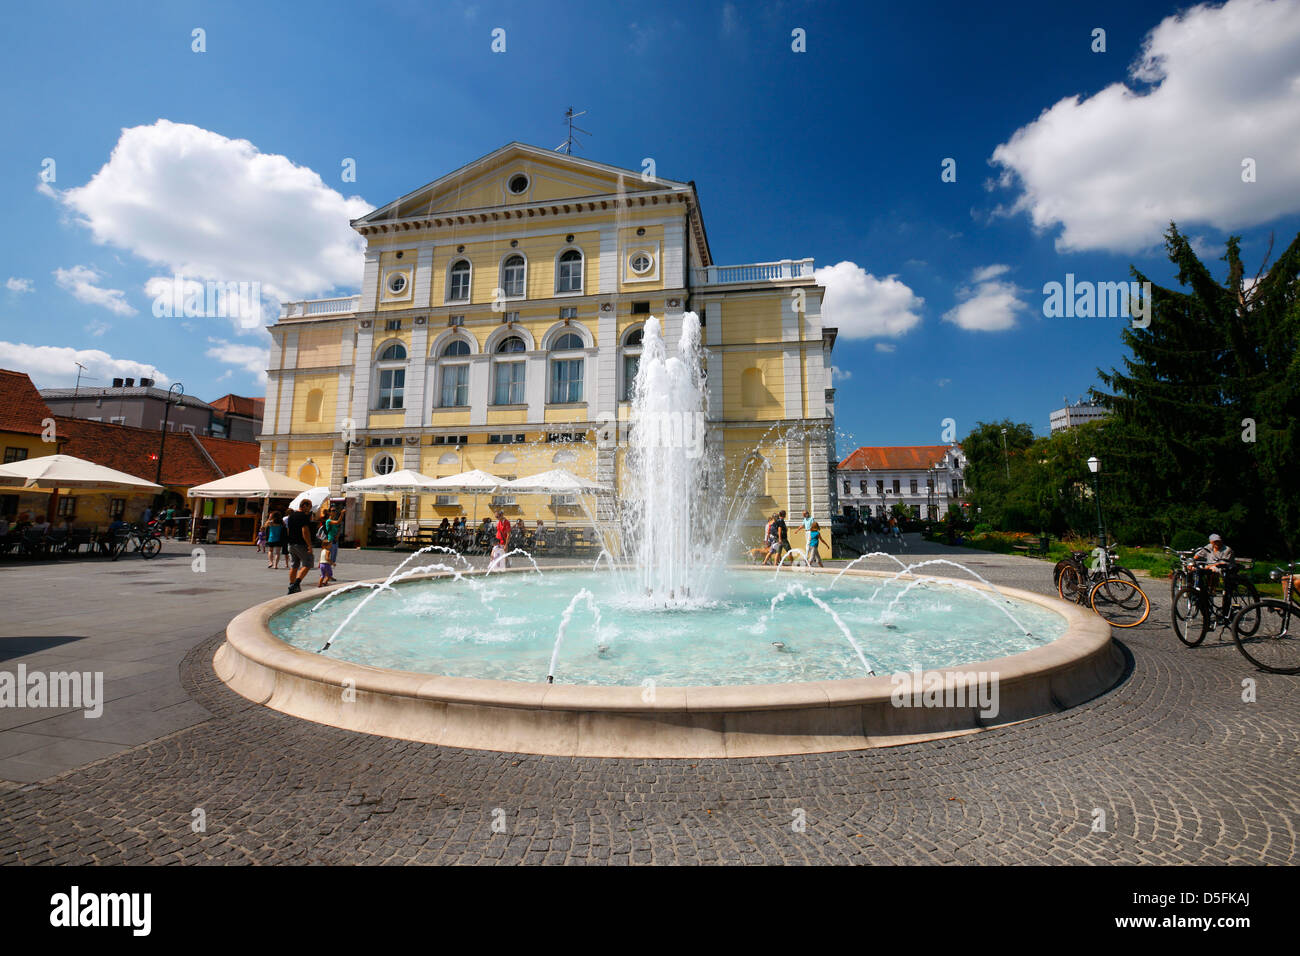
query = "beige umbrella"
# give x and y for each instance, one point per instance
(52, 472)
(254, 483)
(405, 481)
(473, 482)
(555, 482)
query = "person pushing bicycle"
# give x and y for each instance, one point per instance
(1218, 559)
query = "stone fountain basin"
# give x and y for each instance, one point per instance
(596, 721)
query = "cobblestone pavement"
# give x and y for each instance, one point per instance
(1183, 770)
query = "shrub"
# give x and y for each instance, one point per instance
(1187, 540)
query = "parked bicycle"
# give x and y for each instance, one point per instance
(146, 541)
(1076, 574)
(1180, 578)
(1197, 606)
(1272, 641)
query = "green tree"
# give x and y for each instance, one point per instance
(1216, 357)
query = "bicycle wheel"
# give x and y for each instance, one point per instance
(150, 546)
(1070, 584)
(1120, 603)
(1189, 618)
(1126, 575)
(1274, 645)
(1244, 610)
(1177, 582)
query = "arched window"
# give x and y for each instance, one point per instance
(631, 361)
(505, 458)
(512, 343)
(455, 347)
(314, 399)
(448, 458)
(508, 387)
(568, 272)
(512, 276)
(395, 352)
(567, 372)
(752, 391)
(458, 281)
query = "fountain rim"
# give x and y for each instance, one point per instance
(249, 640)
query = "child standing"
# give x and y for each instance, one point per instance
(814, 543)
(329, 548)
(274, 532)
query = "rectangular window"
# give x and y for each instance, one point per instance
(513, 280)
(455, 386)
(640, 308)
(15, 454)
(459, 285)
(392, 387)
(449, 440)
(896, 488)
(569, 312)
(118, 420)
(630, 365)
(510, 383)
(847, 486)
(566, 381)
(956, 487)
(455, 320)
(913, 486)
(393, 325)
(570, 276)
(509, 317)
(862, 486)
(880, 486)
(116, 507)
(67, 507)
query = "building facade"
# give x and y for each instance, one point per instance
(126, 403)
(1074, 415)
(928, 478)
(499, 325)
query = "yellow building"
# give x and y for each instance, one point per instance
(498, 327)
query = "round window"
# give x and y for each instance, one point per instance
(396, 283)
(518, 183)
(641, 263)
(384, 465)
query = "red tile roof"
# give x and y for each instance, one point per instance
(231, 457)
(21, 406)
(133, 451)
(896, 458)
(239, 405)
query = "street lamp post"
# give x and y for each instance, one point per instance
(1005, 455)
(1094, 466)
(162, 441)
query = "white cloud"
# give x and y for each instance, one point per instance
(250, 358)
(863, 307)
(886, 347)
(840, 375)
(97, 328)
(941, 382)
(990, 305)
(14, 284)
(83, 283)
(985, 273)
(55, 366)
(1212, 87)
(211, 208)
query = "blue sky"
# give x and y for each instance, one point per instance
(940, 296)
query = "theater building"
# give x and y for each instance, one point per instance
(498, 327)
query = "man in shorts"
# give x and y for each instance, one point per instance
(300, 548)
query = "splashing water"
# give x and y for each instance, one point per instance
(499, 563)
(844, 628)
(565, 618)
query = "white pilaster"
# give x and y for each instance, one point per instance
(480, 368)
(609, 265)
(370, 283)
(674, 254)
(361, 385)
(416, 406)
(421, 294)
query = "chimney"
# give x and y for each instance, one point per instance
(129, 382)
(117, 383)
(146, 383)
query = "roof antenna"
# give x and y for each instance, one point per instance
(570, 141)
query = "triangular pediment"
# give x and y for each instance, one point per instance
(550, 177)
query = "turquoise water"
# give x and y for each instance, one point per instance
(504, 627)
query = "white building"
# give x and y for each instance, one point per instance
(929, 478)
(1076, 414)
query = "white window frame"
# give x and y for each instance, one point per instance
(582, 271)
(501, 276)
(469, 281)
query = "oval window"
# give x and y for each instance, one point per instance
(641, 263)
(518, 183)
(396, 283)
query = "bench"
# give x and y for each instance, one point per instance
(1034, 545)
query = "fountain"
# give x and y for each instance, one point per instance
(684, 659)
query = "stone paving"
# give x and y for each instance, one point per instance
(1182, 768)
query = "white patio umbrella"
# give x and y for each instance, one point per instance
(555, 482)
(52, 472)
(317, 497)
(254, 483)
(405, 481)
(473, 482)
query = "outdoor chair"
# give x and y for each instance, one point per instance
(33, 543)
(79, 538)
